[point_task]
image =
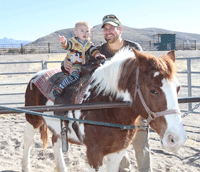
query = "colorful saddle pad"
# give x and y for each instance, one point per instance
(47, 80)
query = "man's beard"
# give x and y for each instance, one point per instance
(111, 40)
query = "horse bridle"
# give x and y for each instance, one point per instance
(151, 115)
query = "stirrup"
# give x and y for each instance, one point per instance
(64, 136)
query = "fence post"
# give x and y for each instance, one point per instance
(44, 65)
(149, 45)
(21, 49)
(49, 51)
(189, 81)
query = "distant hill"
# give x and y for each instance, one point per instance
(142, 36)
(8, 42)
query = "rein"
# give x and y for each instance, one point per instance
(151, 115)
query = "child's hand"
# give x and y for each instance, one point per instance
(67, 65)
(62, 39)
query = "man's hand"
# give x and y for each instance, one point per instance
(100, 56)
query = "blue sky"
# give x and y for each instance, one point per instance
(30, 20)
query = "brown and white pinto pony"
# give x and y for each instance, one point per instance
(146, 81)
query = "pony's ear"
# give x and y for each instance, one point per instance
(140, 58)
(171, 54)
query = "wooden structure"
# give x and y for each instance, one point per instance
(165, 42)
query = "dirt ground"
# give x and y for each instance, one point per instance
(187, 159)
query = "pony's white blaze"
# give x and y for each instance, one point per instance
(170, 90)
(175, 134)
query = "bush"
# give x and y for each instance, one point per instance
(13, 50)
(32, 50)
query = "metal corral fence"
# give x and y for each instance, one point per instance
(12, 90)
(56, 48)
(12, 80)
(31, 49)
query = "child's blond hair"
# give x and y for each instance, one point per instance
(82, 23)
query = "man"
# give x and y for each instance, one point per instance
(112, 34)
(112, 31)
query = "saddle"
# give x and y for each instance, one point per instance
(73, 94)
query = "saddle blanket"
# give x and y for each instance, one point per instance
(47, 80)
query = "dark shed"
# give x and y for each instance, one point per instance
(165, 41)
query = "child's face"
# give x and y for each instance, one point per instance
(82, 32)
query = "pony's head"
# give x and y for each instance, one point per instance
(152, 87)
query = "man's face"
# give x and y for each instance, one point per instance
(111, 33)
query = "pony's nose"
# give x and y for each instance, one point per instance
(171, 140)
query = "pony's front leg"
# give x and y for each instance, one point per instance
(95, 159)
(59, 160)
(113, 161)
(55, 127)
(28, 140)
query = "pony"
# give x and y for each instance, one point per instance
(147, 82)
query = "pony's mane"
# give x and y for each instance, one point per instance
(106, 77)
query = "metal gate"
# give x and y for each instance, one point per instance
(187, 77)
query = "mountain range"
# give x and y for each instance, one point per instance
(8, 42)
(142, 36)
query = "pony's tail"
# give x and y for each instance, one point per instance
(44, 135)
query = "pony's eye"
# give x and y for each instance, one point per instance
(153, 91)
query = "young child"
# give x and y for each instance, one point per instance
(80, 49)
